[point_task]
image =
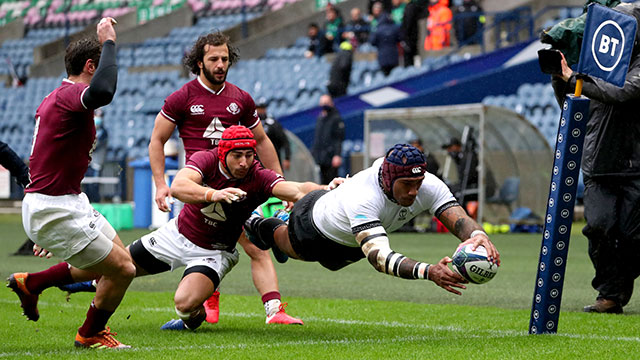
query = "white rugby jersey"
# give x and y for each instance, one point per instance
(360, 200)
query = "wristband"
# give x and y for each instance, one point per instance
(478, 232)
(206, 193)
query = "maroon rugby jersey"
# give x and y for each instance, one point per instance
(202, 115)
(63, 139)
(218, 225)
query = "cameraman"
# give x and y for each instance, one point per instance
(611, 168)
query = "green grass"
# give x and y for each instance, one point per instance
(355, 313)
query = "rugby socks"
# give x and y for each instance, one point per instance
(95, 322)
(57, 275)
(266, 228)
(193, 319)
(271, 301)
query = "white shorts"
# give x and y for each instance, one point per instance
(65, 225)
(169, 246)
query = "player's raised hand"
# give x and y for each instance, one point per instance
(105, 29)
(444, 277)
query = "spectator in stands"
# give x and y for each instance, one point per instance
(438, 25)
(333, 27)
(468, 21)
(340, 72)
(98, 156)
(327, 142)
(276, 134)
(611, 168)
(357, 29)
(413, 12)
(317, 42)
(397, 10)
(385, 6)
(386, 39)
(374, 18)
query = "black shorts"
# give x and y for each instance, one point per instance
(311, 244)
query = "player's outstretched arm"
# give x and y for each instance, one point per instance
(187, 188)
(293, 191)
(468, 231)
(103, 83)
(374, 243)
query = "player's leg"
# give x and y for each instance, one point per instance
(205, 269)
(117, 270)
(265, 280)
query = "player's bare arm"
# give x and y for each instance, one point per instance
(162, 130)
(374, 243)
(265, 149)
(187, 187)
(292, 191)
(468, 230)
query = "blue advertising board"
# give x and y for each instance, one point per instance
(607, 44)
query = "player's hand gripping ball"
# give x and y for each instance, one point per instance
(473, 265)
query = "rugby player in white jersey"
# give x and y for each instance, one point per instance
(341, 226)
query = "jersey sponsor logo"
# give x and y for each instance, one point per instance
(215, 212)
(214, 131)
(416, 170)
(255, 113)
(403, 214)
(197, 109)
(233, 108)
(152, 241)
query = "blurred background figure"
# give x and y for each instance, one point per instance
(374, 16)
(327, 141)
(340, 72)
(438, 25)
(386, 39)
(357, 29)
(276, 134)
(397, 11)
(413, 12)
(317, 43)
(98, 156)
(433, 167)
(333, 27)
(468, 22)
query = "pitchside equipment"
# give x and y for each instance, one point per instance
(473, 265)
(605, 53)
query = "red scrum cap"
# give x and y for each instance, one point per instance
(235, 137)
(402, 161)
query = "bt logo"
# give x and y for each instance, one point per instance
(608, 45)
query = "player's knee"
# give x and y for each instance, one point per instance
(185, 304)
(256, 254)
(127, 270)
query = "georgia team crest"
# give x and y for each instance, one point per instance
(233, 108)
(215, 212)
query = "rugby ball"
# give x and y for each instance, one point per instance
(473, 265)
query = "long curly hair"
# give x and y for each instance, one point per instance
(196, 53)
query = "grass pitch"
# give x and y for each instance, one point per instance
(355, 313)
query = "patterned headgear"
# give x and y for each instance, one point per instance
(235, 137)
(402, 161)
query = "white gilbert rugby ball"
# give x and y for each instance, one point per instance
(473, 264)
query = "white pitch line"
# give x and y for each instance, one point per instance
(392, 324)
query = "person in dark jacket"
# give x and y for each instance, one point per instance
(276, 134)
(413, 12)
(340, 72)
(327, 142)
(12, 162)
(386, 39)
(317, 43)
(611, 168)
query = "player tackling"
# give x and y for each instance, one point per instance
(342, 226)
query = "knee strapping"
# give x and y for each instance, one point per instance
(267, 228)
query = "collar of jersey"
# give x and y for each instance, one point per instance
(67, 81)
(211, 90)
